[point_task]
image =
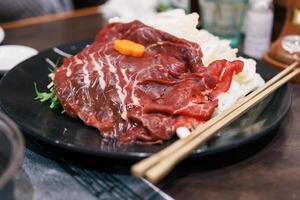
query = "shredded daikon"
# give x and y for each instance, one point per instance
(62, 53)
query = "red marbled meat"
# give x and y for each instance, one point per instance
(141, 99)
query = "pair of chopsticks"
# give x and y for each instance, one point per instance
(160, 164)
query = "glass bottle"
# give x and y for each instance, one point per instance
(258, 27)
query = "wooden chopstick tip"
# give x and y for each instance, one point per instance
(153, 179)
(135, 171)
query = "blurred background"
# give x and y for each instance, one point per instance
(250, 25)
(11, 10)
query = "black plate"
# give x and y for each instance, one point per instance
(36, 119)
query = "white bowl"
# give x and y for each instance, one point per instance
(11, 55)
(1, 34)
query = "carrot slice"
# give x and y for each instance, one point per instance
(129, 48)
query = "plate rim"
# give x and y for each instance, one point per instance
(138, 155)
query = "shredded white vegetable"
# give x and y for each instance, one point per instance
(50, 62)
(62, 53)
(182, 132)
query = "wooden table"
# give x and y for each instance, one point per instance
(268, 169)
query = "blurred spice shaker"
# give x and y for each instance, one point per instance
(258, 27)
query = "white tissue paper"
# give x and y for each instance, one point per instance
(129, 9)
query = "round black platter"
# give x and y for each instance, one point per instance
(36, 119)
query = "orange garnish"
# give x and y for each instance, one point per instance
(129, 48)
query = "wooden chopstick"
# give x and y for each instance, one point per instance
(161, 169)
(140, 168)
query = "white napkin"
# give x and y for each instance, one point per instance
(129, 10)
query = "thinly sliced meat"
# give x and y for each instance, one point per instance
(141, 99)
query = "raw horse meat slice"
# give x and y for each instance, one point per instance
(141, 99)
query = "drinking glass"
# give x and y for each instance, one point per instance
(224, 18)
(11, 153)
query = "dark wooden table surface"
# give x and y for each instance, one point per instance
(267, 169)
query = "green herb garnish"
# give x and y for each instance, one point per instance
(52, 70)
(49, 96)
